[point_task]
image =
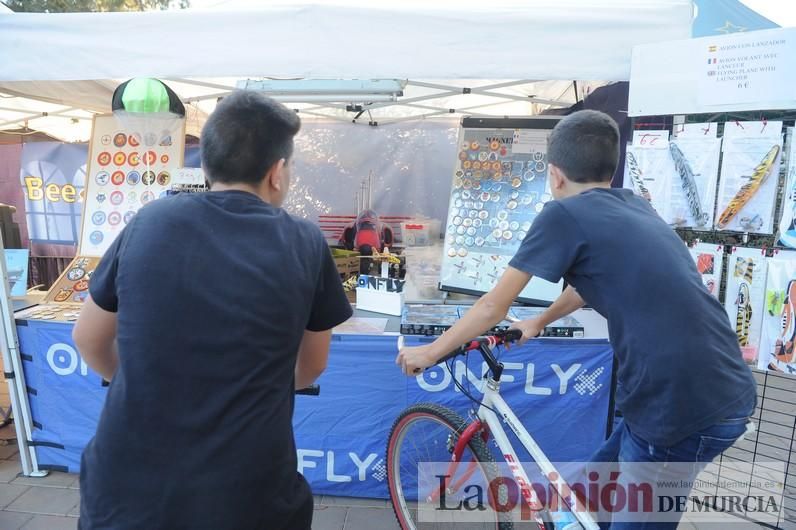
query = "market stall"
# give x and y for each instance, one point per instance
(560, 382)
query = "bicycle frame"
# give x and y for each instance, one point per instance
(487, 423)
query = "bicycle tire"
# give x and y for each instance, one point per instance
(456, 424)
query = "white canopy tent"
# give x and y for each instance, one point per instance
(56, 70)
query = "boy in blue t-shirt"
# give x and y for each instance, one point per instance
(682, 386)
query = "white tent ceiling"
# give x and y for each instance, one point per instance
(67, 65)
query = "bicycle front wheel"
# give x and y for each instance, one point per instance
(427, 433)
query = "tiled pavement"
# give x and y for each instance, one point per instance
(52, 503)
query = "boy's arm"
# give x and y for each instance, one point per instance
(488, 311)
(568, 302)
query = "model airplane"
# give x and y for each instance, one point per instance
(784, 345)
(744, 267)
(635, 177)
(689, 185)
(747, 191)
(743, 319)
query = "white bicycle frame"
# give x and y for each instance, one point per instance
(493, 400)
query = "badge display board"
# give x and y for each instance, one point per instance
(499, 187)
(778, 341)
(72, 285)
(709, 259)
(131, 161)
(745, 297)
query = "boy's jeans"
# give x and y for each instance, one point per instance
(700, 448)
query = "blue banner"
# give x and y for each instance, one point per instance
(53, 175)
(558, 388)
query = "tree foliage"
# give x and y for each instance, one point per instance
(74, 6)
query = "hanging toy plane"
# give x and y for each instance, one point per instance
(689, 185)
(743, 319)
(748, 190)
(784, 345)
(635, 177)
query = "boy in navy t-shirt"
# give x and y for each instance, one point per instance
(683, 388)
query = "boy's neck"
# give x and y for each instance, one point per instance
(576, 188)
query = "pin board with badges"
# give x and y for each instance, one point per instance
(499, 186)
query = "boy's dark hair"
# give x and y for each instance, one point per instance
(246, 135)
(585, 146)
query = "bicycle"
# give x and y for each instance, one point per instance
(442, 435)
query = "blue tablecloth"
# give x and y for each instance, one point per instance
(559, 388)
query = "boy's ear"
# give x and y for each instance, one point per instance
(274, 175)
(557, 178)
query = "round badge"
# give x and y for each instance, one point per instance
(496, 176)
(476, 165)
(101, 198)
(457, 183)
(60, 297)
(150, 139)
(458, 203)
(538, 207)
(495, 197)
(502, 215)
(516, 182)
(477, 185)
(483, 156)
(462, 155)
(492, 157)
(493, 223)
(494, 145)
(472, 157)
(521, 235)
(98, 218)
(459, 173)
(514, 225)
(515, 194)
(507, 235)
(147, 196)
(164, 178)
(148, 177)
(474, 146)
(483, 214)
(81, 285)
(477, 174)
(526, 226)
(504, 225)
(462, 213)
(462, 252)
(468, 204)
(128, 216)
(460, 230)
(452, 252)
(468, 174)
(96, 237)
(503, 151)
(132, 197)
(511, 205)
(497, 233)
(164, 159)
(134, 140)
(460, 240)
(75, 274)
(538, 156)
(150, 158)
(117, 197)
(528, 199)
(529, 176)
(478, 205)
(540, 167)
(102, 178)
(457, 221)
(496, 166)
(119, 158)
(477, 222)
(467, 222)
(133, 178)
(79, 297)
(479, 241)
(485, 196)
(467, 164)
(104, 158)
(466, 194)
(467, 184)
(165, 139)
(473, 214)
(133, 159)
(471, 232)
(117, 178)
(468, 241)
(106, 139)
(120, 139)
(114, 218)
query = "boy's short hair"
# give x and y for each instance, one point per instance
(585, 146)
(245, 135)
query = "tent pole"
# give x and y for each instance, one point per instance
(15, 377)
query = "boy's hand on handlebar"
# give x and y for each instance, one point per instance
(530, 328)
(414, 360)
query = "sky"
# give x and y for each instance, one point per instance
(782, 12)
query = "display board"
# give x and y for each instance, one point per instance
(72, 285)
(499, 187)
(709, 259)
(778, 341)
(677, 176)
(749, 176)
(787, 223)
(130, 163)
(745, 296)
